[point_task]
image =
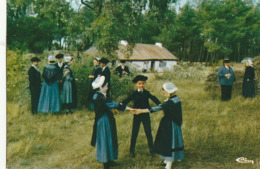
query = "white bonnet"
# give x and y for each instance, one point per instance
(51, 58)
(99, 81)
(67, 58)
(169, 87)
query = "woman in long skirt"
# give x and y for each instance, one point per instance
(69, 91)
(49, 101)
(104, 135)
(169, 141)
(248, 89)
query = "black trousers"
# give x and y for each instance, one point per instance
(35, 95)
(138, 119)
(226, 92)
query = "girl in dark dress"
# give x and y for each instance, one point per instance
(248, 89)
(169, 141)
(104, 136)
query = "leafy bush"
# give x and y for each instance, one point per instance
(183, 71)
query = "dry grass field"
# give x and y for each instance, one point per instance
(215, 133)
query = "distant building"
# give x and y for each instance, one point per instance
(146, 57)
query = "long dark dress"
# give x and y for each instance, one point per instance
(35, 87)
(104, 135)
(49, 101)
(69, 90)
(169, 141)
(248, 89)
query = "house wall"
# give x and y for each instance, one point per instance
(157, 65)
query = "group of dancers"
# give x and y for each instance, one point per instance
(168, 142)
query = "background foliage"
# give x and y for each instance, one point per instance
(204, 31)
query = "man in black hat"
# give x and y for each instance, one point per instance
(97, 70)
(122, 69)
(60, 66)
(141, 101)
(226, 77)
(34, 84)
(105, 72)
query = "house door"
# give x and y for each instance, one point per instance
(152, 65)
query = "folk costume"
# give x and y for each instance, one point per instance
(69, 91)
(169, 141)
(60, 67)
(248, 89)
(104, 136)
(49, 101)
(34, 85)
(122, 68)
(97, 71)
(226, 82)
(141, 101)
(106, 72)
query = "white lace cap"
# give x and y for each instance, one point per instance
(67, 58)
(51, 58)
(169, 87)
(99, 81)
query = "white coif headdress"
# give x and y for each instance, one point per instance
(51, 58)
(99, 81)
(67, 58)
(169, 87)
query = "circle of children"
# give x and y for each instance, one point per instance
(59, 86)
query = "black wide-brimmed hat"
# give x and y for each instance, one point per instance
(35, 59)
(122, 61)
(139, 78)
(104, 60)
(226, 60)
(58, 56)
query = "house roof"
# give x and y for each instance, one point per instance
(141, 52)
(146, 52)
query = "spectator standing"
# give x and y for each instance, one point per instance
(34, 84)
(226, 78)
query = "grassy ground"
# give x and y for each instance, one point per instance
(215, 134)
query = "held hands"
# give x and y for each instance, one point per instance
(137, 111)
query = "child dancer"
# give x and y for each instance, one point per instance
(169, 142)
(141, 101)
(104, 135)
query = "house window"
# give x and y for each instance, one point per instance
(162, 64)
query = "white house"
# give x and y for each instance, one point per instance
(147, 57)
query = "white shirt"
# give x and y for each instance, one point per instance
(104, 68)
(35, 67)
(60, 64)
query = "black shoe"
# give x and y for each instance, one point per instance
(132, 155)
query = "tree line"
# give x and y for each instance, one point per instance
(205, 31)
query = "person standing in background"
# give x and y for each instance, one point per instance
(69, 90)
(49, 101)
(226, 78)
(60, 66)
(122, 69)
(248, 89)
(34, 84)
(97, 70)
(105, 72)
